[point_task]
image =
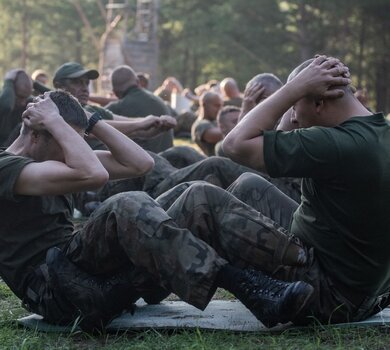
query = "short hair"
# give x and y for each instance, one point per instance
(269, 80)
(347, 89)
(226, 110)
(70, 109)
(122, 77)
(300, 68)
(207, 97)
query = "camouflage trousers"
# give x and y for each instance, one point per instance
(182, 156)
(181, 249)
(219, 171)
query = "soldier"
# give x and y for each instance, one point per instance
(135, 101)
(131, 247)
(341, 152)
(205, 131)
(16, 94)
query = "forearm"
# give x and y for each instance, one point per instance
(244, 144)
(77, 153)
(265, 115)
(125, 158)
(131, 127)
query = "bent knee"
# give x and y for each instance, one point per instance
(251, 180)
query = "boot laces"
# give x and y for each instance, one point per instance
(256, 283)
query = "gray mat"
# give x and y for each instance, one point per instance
(219, 315)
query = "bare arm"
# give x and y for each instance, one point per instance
(251, 95)
(244, 144)
(212, 135)
(147, 127)
(124, 157)
(78, 168)
(101, 100)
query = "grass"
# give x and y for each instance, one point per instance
(14, 337)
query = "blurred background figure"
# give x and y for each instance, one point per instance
(205, 131)
(230, 92)
(41, 76)
(143, 79)
(14, 97)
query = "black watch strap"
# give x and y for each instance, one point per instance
(95, 117)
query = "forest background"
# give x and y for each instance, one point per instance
(211, 39)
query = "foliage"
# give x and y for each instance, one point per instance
(202, 39)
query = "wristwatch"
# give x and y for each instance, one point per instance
(95, 117)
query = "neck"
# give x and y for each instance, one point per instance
(18, 147)
(344, 109)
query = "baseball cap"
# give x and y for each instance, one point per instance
(71, 70)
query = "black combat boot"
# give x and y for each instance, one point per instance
(271, 301)
(98, 299)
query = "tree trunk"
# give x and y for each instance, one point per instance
(24, 53)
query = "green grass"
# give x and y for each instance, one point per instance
(14, 337)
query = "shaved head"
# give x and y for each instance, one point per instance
(229, 88)
(268, 80)
(23, 89)
(122, 78)
(208, 97)
(210, 103)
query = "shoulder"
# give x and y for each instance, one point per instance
(9, 159)
(10, 168)
(200, 126)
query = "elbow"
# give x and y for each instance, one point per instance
(145, 166)
(99, 178)
(230, 147)
(149, 165)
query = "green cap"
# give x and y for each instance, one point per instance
(71, 70)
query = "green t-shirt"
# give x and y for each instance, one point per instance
(345, 196)
(138, 103)
(30, 225)
(236, 101)
(197, 130)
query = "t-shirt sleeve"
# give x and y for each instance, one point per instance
(112, 107)
(311, 152)
(10, 168)
(201, 128)
(104, 113)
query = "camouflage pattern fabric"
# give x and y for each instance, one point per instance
(218, 171)
(182, 249)
(182, 156)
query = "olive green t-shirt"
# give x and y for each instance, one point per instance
(139, 103)
(236, 101)
(344, 213)
(197, 130)
(30, 225)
